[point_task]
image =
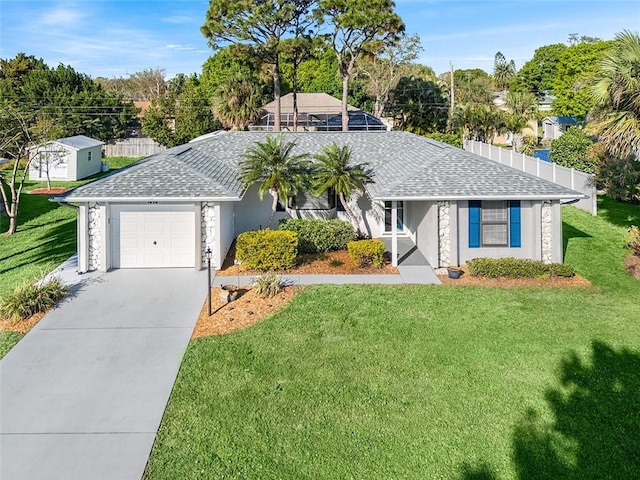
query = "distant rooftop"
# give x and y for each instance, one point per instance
(317, 112)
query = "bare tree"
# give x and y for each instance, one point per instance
(385, 70)
(15, 139)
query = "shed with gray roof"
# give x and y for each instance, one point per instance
(69, 158)
(168, 209)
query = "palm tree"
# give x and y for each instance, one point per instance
(334, 170)
(237, 102)
(503, 71)
(478, 121)
(616, 88)
(272, 165)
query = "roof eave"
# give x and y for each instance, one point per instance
(480, 197)
(72, 199)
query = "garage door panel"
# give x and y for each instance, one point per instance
(154, 237)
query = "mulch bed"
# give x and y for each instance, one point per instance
(632, 266)
(560, 282)
(246, 310)
(332, 263)
(48, 191)
(21, 326)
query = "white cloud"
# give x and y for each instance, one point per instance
(62, 15)
(180, 19)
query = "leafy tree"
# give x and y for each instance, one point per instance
(419, 105)
(261, 25)
(470, 86)
(538, 74)
(616, 89)
(359, 27)
(478, 122)
(320, 74)
(385, 70)
(180, 116)
(570, 150)
(503, 71)
(73, 101)
(235, 61)
(575, 67)
(620, 176)
(238, 102)
(273, 166)
(449, 138)
(333, 170)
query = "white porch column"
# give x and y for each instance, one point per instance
(394, 233)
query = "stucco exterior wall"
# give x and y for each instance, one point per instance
(422, 226)
(530, 236)
(252, 213)
(226, 232)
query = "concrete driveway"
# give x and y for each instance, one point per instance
(82, 395)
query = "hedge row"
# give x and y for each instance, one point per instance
(516, 268)
(267, 249)
(319, 236)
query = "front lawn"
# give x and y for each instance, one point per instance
(46, 237)
(424, 381)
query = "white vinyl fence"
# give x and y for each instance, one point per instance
(132, 147)
(567, 177)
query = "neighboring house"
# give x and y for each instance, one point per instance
(316, 112)
(70, 158)
(545, 103)
(554, 127)
(167, 209)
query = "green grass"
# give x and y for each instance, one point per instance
(46, 237)
(424, 381)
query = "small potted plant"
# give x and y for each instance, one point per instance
(454, 272)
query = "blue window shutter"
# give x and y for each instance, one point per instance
(515, 237)
(474, 223)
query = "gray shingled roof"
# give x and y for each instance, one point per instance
(406, 166)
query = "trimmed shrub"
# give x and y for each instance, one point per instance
(517, 268)
(267, 249)
(319, 236)
(570, 150)
(267, 285)
(633, 240)
(366, 253)
(30, 298)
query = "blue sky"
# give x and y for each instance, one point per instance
(115, 37)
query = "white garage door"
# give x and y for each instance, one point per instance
(153, 236)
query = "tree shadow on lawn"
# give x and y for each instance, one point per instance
(595, 431)
(569, 232)
(57, 245)
(30, 208)
(618, 213)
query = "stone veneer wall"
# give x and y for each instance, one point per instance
(94, 247)
(208, 230)
(444, 233)
(547, 232)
